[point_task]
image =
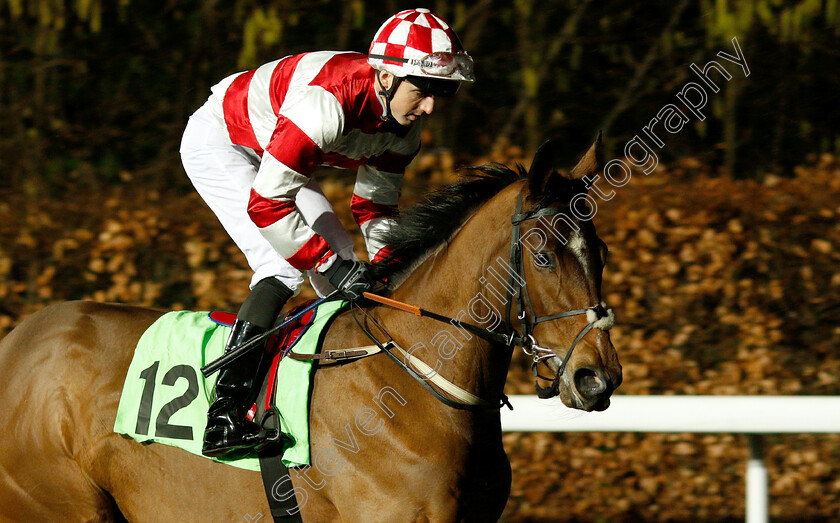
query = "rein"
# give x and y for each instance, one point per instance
(476, 403)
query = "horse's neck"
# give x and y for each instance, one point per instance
(461, 281)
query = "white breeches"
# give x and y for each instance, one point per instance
(223, 173)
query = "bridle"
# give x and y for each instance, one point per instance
(599, 316)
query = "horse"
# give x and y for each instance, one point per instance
(383, 448)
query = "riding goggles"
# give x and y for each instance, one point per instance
(434, 86)
(442, 64)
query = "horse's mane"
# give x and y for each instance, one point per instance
(428, 224)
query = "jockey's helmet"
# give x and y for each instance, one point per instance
(418, 46)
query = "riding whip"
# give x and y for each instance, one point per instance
(229, 357)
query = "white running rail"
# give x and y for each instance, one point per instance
(750, 415)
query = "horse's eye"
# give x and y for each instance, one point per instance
(545, 260)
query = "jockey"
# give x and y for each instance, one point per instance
(251, 152)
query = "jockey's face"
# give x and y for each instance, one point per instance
(409, 102)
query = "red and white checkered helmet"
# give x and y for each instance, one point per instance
(417, 43)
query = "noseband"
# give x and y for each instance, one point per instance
(599, 316)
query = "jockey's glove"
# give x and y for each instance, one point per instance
(351, 278)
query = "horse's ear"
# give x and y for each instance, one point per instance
(542, 167)
(590, 163)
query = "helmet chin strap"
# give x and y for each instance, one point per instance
(388, 94)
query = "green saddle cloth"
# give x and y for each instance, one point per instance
(165, 397)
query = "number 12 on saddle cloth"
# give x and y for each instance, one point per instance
(165, 397)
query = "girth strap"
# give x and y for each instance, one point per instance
(278, 487)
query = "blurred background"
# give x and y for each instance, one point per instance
(723, 265)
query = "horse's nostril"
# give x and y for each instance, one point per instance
(588, 383)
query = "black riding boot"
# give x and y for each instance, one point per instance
(227, 429)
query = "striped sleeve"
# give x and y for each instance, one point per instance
(309, 119)
(376, 196)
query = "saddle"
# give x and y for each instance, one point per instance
(278, 346)
(282, 344)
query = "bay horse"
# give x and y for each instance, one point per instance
(383, 448)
